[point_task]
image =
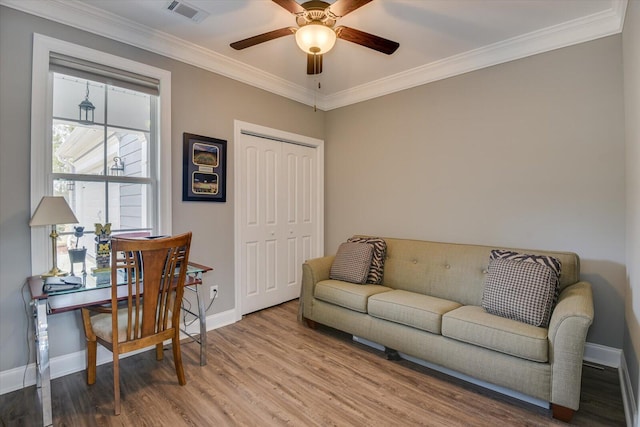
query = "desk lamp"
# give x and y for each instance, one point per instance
(53, 210)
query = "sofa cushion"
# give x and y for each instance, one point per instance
(518, 290)
(376, 270)
(472, 324)
(352, 262)
(345, 294)
(411, 309)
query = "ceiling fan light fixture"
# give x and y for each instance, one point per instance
(315, 38)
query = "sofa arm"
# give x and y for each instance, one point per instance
(568, 328)
(313, 271)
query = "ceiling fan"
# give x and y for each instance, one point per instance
(316, 33)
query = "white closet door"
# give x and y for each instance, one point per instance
(301, 207)
(278, 188)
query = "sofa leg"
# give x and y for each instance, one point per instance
(562, 413)
(312, 324)
(391, 354)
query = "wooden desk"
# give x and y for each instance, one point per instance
(43, 304)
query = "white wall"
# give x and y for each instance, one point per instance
(526, 154)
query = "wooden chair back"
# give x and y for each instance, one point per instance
(154, 272)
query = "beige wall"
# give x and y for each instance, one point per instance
(631, 52)
(527, 154)
(202, 103)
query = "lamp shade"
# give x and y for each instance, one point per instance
(53, 210)
(315, 38)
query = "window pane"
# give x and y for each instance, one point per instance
(129, 207)
(78, 148)
(86, 199)
(128, 153)
(129, 109)
(127, 204)
(69, 92)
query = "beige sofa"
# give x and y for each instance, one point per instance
(428, 306)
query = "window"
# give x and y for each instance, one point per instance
(103, 168)
(113, 164)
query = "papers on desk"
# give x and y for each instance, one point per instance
(59, 284)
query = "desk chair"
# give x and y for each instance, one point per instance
(142, 320)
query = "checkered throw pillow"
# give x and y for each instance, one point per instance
(552, 262)
(352, 262)
(376, 271)
(518, 290)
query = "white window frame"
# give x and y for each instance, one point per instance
(41, 113)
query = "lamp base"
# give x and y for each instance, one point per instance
(54, 272)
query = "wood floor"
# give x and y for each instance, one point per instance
(269, 370)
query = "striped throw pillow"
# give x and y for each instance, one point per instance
(551, 262)
(376, 271)
(352, 262)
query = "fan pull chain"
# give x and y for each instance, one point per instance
(315, 94)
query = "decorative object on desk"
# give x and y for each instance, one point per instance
(53, 210)
(78, 255)
(102, 271)
(204, 169)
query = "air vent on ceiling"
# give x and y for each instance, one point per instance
(190, 12)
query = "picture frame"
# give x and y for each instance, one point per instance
(204, 168)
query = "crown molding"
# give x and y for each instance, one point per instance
(569, 33)
(82, 16)
(93, 20)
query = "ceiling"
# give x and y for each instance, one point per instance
(438, 38)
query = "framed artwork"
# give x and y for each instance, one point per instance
(204, 169)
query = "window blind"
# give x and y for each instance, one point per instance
(69, 65)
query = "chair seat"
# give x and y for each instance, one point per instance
(101, 324)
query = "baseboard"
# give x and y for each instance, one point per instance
(25, 376)
(628, 400)
(602, 355)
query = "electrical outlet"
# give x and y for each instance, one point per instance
(213, 291)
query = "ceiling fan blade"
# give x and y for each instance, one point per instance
(367, 40)
(314, 64)
(341, 7)
(261, 38)
(291, 5)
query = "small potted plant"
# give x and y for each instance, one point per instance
(78, 254)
